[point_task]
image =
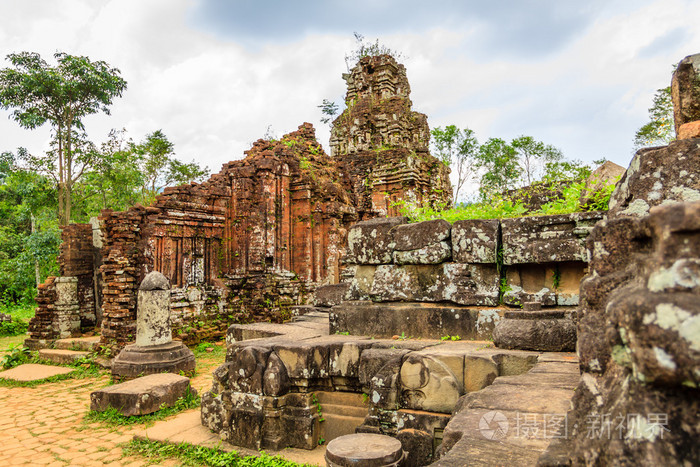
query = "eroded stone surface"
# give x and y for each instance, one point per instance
(545, 239)
(372, 241)
(658, 176)
(364, 450)
(475, 241)
(536, 333)
(135, 360)
(422, 234)
(685, 92)
(414, 319)
(153, 316)
(638, 338)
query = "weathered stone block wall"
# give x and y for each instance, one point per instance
(263, 395)
(545, 257)
(440, 279)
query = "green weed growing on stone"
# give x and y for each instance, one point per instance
(112, 416)
(450, 338)
(319, 410)
(556, 278)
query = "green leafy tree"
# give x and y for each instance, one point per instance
(115, 180)
(160, 168)
(61, 95)
(659, 130)
(458, 150)
(29, 235)
(156, 151)
(562, 170)
(185, 172)
(498, 161)
(533, 157)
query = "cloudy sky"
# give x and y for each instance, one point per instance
(215, 74)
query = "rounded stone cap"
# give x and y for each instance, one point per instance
(364, 450)
(155, 281)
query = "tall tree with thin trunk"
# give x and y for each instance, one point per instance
(457, 149)
(61, 95)
(534, 156)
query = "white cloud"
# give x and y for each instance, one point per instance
(212, 95)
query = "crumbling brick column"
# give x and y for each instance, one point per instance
(76, 259)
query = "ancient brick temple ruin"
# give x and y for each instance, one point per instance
(629, 394)
(252, 241)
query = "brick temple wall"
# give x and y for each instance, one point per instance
(258, 237)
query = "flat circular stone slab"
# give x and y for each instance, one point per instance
(364, 450)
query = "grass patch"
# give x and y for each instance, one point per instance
(207, 349)
(21, 314)
(501, 207)
(19, 355)
(190, 455)
(24, 311)
(112, 417)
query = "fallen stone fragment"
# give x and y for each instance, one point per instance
(143, 395)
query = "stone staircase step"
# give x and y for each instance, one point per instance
(341, 398)
(344, 410)
(61, 356)
(336, 425)
(512, 421)
(86, 344)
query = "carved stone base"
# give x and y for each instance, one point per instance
(135, 360)
(543, 330)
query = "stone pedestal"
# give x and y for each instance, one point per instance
(154, 350)
(364, 450)
(136, 360)
(544, 330)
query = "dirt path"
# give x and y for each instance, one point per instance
(44, 425)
